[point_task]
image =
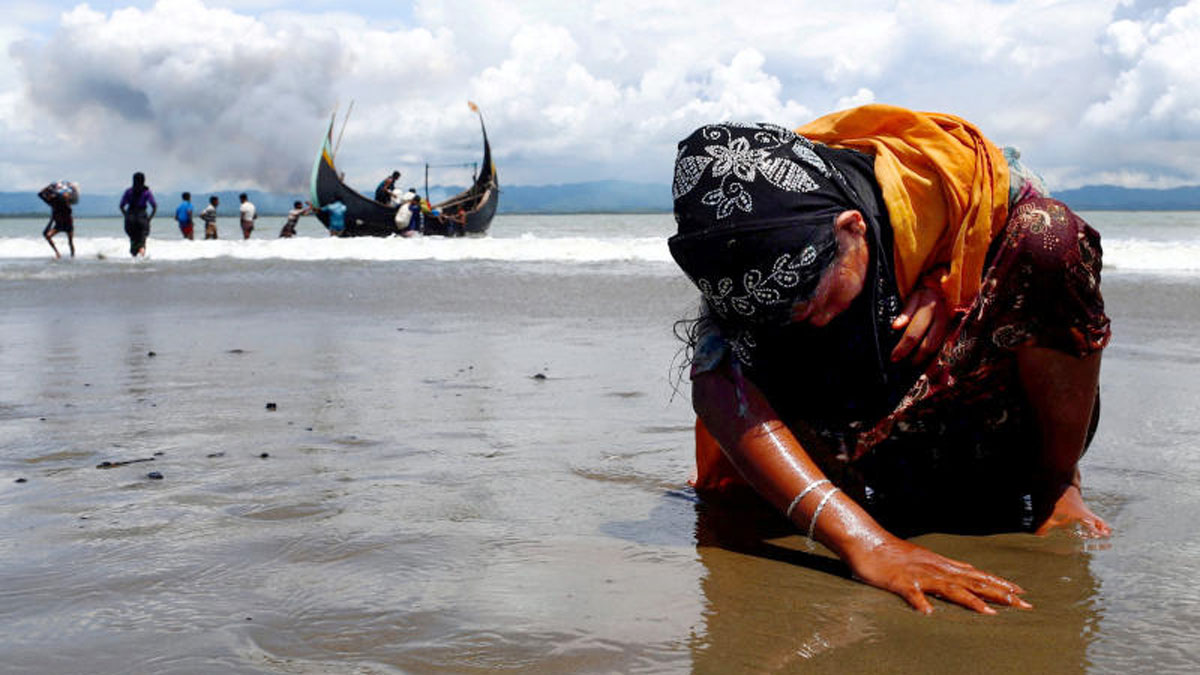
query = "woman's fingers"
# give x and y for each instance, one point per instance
(999, 595)
(917, 325)
(973, 575)
(912, 593)
(975, 593)
(914, 573)
(972, 595)
(925, 320)
(934, 336)
(910, 308)
(963, 585)
(961, 596)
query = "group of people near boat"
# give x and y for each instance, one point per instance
(413, 211)
(138, 207)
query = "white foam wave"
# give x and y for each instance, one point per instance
(1140, 255)
(1120, 254)
(527, 248)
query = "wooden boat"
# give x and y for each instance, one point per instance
(367, 217)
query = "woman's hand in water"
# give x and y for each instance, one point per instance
(913, 573)
(926, 319)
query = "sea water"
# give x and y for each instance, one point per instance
(477, 460)
(1137, 242)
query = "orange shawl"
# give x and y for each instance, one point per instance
(945, 185)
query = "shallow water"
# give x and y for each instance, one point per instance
(480, 465)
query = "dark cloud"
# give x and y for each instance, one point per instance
(219, 93)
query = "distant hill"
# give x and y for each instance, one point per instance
(1113, 198)
(595, 197)
(609, 196)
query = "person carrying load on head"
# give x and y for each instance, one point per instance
(60, 196)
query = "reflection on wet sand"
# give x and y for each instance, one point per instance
(772, 605)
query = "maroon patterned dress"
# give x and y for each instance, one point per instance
(957, 451)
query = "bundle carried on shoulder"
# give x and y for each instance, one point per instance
(67, 191)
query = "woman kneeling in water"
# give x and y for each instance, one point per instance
(899, 332)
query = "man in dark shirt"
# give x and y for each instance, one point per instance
(383, 191)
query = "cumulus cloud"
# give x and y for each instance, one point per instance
(216, 93)
(1157, 93)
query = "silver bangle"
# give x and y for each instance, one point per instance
(796, 502)
(812, 524)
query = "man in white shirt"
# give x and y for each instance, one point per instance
(248, 213)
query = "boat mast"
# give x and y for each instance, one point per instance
(344, 123)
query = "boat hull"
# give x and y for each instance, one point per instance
(367, 217)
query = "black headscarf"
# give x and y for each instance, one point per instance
(755, 206)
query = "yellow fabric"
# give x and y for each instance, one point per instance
(946, 188)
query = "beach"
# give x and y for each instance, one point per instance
(457, 456)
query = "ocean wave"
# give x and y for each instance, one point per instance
(1140, 255)
(526, 248)
(1120, 255)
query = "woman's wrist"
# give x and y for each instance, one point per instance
(833, 518)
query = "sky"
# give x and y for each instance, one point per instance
(211, 94)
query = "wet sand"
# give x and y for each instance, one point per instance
(481, 467)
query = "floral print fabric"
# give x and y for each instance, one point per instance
(966, 421)
(963, 435)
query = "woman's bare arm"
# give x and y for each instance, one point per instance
(771, 458)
